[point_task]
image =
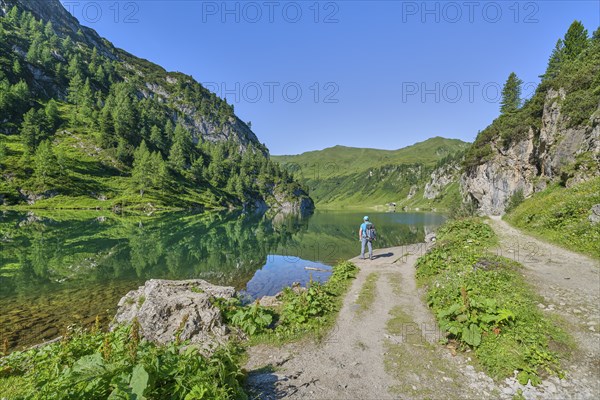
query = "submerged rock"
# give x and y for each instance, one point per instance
(166, 309)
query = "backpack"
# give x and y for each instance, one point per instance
(370, 232)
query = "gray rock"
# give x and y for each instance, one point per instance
(594, 217)
(440, 178)
(269, 301)
(412, 191)
(163, 308)
(430, 238)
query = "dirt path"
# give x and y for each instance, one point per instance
(570, 286)
(385, 352)
(391, 350)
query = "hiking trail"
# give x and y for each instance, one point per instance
(392, 350)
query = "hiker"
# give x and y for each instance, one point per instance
(366, 235)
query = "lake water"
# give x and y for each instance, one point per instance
(59, 269)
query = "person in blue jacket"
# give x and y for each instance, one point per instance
(364, 240)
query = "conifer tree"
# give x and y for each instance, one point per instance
(17, 70)
(33, 130)
(143, 173)
(156, 138)
(45, 165)
(555, 61)
(576, 40)
(52, 114)
(161, 177)
(511, 94)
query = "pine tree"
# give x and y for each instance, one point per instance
(13, 15)
(511, 94)
(177, 158)
(555, 61)
(123, 151)
(169, 130)
(34, 129)
(33, 54)
(596, 36)
(67, 45)
(100, 75)
(124, 113)
(45, 164)
(576, 40)
(75, 98)
(160, 179)
(74, 67)
(17, 70)
(74, 90)
(143, 172)
(52, 114)
(87, 99)
(48, 30)
(18, 100)
(197, 169)
(156, 137)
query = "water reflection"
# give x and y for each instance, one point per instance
(62, 268)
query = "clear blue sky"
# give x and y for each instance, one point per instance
(388, 73)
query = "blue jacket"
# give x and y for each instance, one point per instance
(363, 228)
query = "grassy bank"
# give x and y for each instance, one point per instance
(560, 215)
(482, 302)
(302, 313)
(98, 365)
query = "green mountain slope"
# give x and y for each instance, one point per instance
(83, 124)
(344, 176)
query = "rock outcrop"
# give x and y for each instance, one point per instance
(298, 202)
(542, 156)
(166, 310)
(440, 178)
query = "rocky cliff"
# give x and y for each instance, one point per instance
(553, 153)
(554, 137)
(441, 178)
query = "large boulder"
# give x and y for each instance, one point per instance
(165, 309)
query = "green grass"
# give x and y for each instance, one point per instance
(367, 293)
(483, 303)
(560, 215)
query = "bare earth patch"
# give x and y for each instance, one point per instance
(362, 358)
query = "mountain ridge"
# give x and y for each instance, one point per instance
(414, 176)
